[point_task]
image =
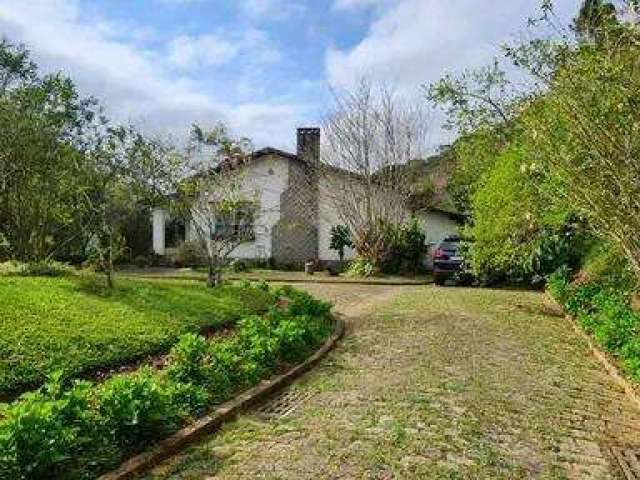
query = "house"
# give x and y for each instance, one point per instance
(296, 213)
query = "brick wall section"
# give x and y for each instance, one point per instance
(295, 237)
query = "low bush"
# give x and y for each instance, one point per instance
(406, 249)
(142, 261)
(599, 297)
(238, 266)
(78, 431)
(36, 269)
(361, 267)
(188, 254)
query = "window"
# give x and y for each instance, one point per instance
(238, 225)
(175, 232)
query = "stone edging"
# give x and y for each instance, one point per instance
(607, 363)
(604, 358)
(199, 278)
(224, 413)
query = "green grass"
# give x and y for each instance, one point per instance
(50, 324)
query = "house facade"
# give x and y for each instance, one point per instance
(296, 211)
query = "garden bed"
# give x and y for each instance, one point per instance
(80, 429)
(51, 324)
(604, 315)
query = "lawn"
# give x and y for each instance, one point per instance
(50, 324)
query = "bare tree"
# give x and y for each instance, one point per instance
(370, 134)
(217, 201)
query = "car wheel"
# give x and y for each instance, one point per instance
(439, 279)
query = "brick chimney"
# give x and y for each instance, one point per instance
(309, 145)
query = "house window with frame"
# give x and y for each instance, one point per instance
(237, 225)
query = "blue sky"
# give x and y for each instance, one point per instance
(262, 66)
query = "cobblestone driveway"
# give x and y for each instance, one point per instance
(432, 383)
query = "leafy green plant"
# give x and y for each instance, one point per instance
(238, 266)
(340, 239)
(406, 249)
(361, 267)
(188, 360)
(44, 268)
(141, 407)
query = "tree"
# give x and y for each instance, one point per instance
(370, 135)
(129, 172)
(482, 106)
(46, 128)
(216, 199)
(594, 19)
(340, 239)
(586, 131)
(474, 99)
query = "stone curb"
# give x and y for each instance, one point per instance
(224, 413)
(604, 358)
(607, 362)
(287, 280)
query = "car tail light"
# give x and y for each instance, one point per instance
(439, 254)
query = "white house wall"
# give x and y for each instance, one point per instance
(328, 217)
(437, 226)
(268, 176)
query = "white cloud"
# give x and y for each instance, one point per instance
(134, 83)
(416, 41)
(357, 4)
(191, 52)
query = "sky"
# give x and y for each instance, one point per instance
(264, 67)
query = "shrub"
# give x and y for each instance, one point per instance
(188, 254)
(188, 359)
(406, 249)
(600, 302)
(301, 303)
(340, 239)
(142, 261)
(238, 266)
(47, 430)
(256, 338)
(9, 467)
(140, 407)
(361, 267)
(558, 285)
(40, 268)
(611, 321)
(605, 265)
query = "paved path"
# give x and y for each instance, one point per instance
(432, 383)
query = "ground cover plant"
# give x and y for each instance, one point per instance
(599, 297)
(80, 429)
(71, 324)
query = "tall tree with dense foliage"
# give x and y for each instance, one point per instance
(46, 127)
(576, 127)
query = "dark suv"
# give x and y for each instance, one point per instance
(447, 261)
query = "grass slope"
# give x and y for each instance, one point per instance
(57, 323)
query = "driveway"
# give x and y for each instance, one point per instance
(432, 383)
